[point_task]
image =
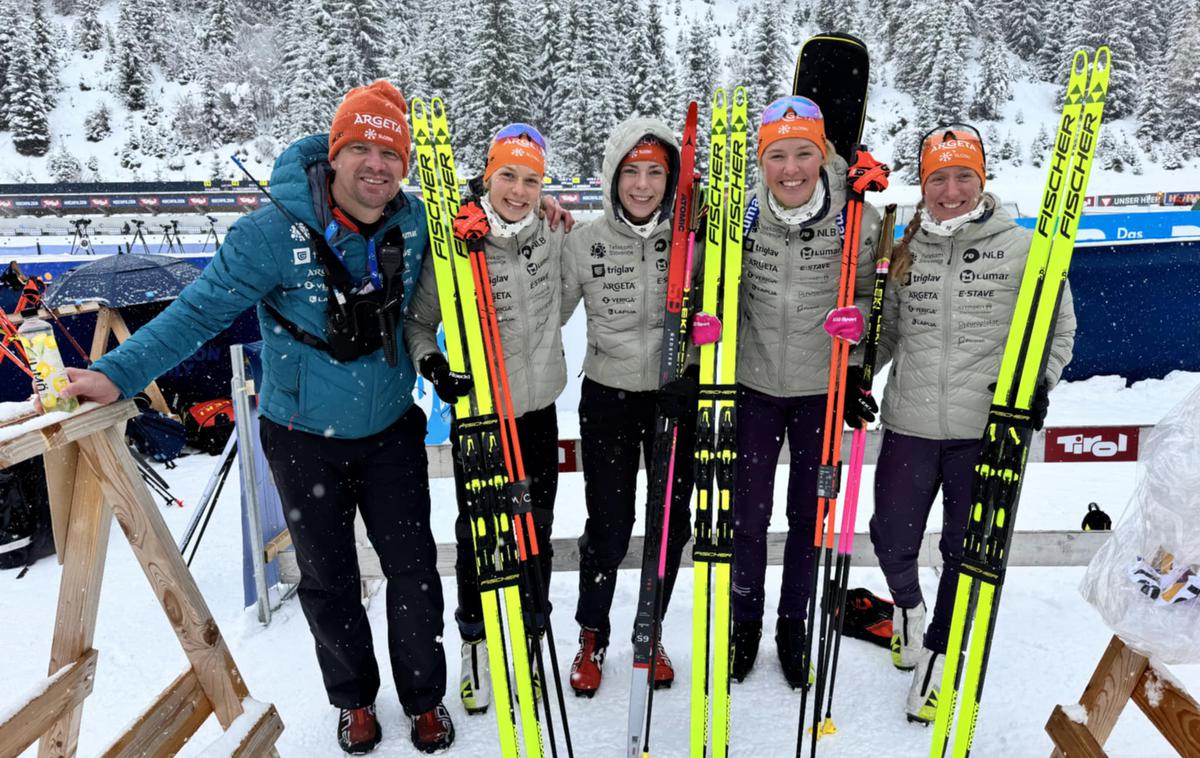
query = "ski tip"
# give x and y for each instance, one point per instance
(437, 106)
(739, 96)
(417, 103)
(1080, 63)
(1103, 58)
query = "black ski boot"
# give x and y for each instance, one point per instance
(789, 640)
(744, 642)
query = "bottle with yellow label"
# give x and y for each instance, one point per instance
(49, 375)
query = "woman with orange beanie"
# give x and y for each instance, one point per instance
(523, 258)
(946, 313)
(617, 265)
(790, 273)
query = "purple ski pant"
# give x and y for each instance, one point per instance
(907, 477)
(762, 422)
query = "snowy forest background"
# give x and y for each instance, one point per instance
(127, 90)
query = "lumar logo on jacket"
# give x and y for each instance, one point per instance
(966, 276)
(379, 122)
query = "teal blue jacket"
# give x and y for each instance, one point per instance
(265, 259)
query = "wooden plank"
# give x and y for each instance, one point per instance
(78, 597)
(1043, 548)
(167, 724)
(1109, 689)
(272, 549)
(1172, 711)
(101, 333)
(173, 585)
(62, 695)
(253, 734)
(62, 311)
(1072, 739)
(54, 431)
(60, 465)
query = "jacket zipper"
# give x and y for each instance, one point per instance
(944, 373)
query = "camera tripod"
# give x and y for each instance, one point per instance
(81, 240)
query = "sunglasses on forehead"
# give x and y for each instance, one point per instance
(521, 131)
(800, 107)
(950, 133)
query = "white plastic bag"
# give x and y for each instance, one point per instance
(1145, 581)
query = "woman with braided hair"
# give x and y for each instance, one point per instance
(955, 276)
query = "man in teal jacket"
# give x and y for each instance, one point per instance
(339, 426)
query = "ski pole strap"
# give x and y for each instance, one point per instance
(868, 174)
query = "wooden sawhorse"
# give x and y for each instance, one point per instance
(1123, 675)
(91, 477)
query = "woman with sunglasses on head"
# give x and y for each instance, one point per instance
(790, 275)
(955, 276)
(617, 264)
(523, 256)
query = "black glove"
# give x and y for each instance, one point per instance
(679, 397)
(857, 407)
(449, 385)
(1039, 405)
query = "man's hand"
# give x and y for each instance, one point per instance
(553, 212)
(86, 384)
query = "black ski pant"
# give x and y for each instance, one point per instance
(321, 483)
(538, 435)
(908, 476)
(614, 427)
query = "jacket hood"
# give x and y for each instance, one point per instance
(623, 139)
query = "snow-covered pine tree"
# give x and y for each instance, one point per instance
(27, 111)
(217, 27)
(293, 109)
(1039, 151)
(131, 151)
(8, 46)
(650, 86)
(1053, 60)
(769, 63)
(993, 87)
(828, 15)
(1023, 27)
(45, 52)
(89, 34)
(1184, 77)
(798, 24)
(493, 91)
(98, 124)
(548, 60)
(64, 167)
(946, 84)
(1154, 104)
(91, 170)
(573, 111)
(916, 53)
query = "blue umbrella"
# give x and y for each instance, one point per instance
(121, 280)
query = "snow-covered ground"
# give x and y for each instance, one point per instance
(1048, 639)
